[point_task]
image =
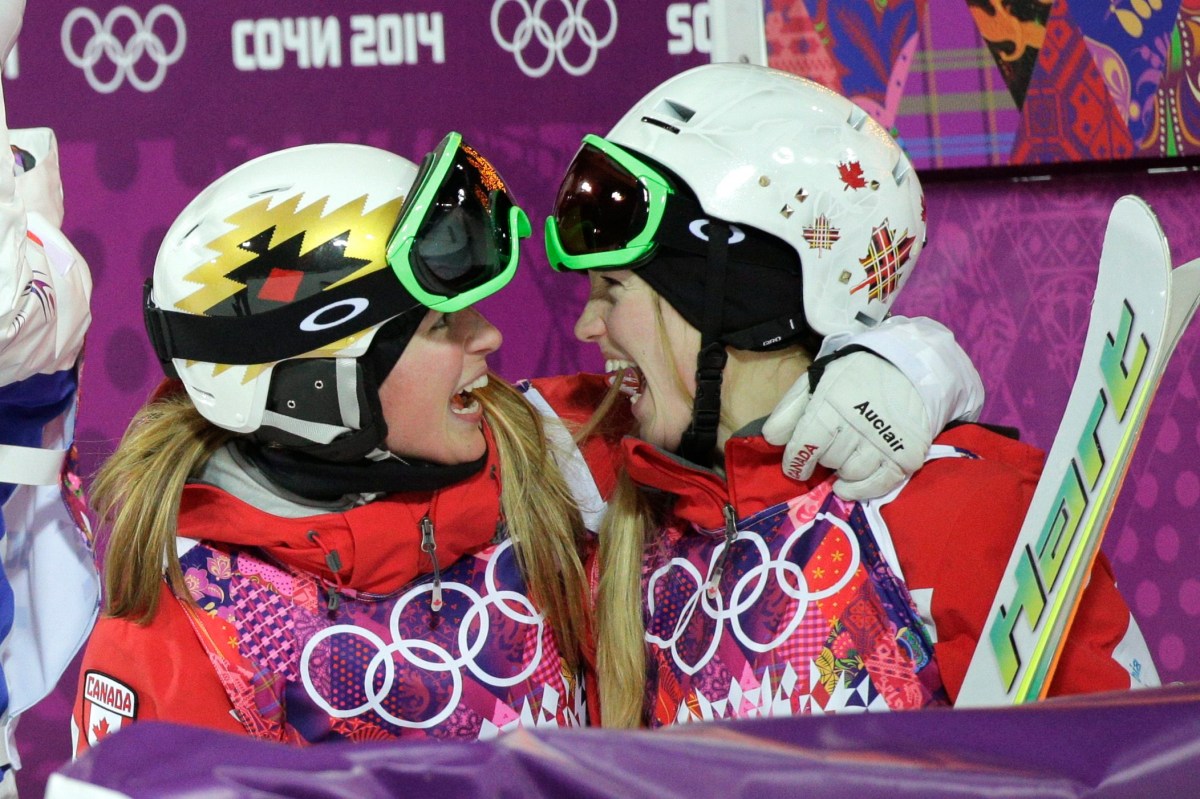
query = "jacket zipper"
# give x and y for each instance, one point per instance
(731, 534)
(429, 546)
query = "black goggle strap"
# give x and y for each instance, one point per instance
(699, 441)
(683, 217)
(752, 248)
(280, 333)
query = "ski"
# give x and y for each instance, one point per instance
(1139, 312)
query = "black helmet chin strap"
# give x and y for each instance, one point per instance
(699, 442)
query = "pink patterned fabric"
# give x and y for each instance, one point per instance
(366, 667)
(807, 618)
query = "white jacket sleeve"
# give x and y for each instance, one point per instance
(926, 352)
(45, 285)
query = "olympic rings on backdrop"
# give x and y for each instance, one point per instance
(555, 40)
(103, 42)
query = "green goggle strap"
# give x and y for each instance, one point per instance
(641, 244)
(413, 216)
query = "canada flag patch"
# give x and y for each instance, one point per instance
(108, 704)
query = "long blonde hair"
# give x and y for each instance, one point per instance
(543, 518)
(620, 629)
(137, 492)
(136, 495)
(623, 534)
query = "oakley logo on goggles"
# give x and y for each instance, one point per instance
(455, 242)
(608, 210)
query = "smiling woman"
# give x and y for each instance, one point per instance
(730, 220)
(333, 525)
(652, 344)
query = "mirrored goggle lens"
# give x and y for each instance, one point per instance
(464, 239)
(601, 206)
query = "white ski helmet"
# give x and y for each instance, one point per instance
(763, 207)
(276, 280)
(787, 156)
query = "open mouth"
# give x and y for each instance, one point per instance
(629, 374)
(464, 402)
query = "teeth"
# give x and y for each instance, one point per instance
(629, 375)
(469, 403)
(475, 384)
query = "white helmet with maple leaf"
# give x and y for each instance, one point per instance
(787, 156)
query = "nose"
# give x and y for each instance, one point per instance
(590, 324)
(482, 337)
(589, 327)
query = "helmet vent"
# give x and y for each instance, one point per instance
(660, 123)
(676, 111)
(900, 170)
(272, 190)
(669, 115)
(866, 320)
(857, 118)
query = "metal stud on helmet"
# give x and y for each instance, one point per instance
(277, 282)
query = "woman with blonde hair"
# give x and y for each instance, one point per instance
(335, 525)
(730, 221)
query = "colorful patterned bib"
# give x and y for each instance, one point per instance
(303, 663)
(807, 617)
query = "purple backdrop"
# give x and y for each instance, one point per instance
(1010, 266)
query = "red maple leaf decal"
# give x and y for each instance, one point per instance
(101, 729)
(852, 175)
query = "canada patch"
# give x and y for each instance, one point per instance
(107, 704)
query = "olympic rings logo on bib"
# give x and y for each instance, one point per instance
(789, 579)
(555, 40)
(103, 43)
(380, 674)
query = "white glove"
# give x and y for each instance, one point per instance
(926, 352)
(865, 421)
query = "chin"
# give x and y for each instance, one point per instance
(653, 433)
(662, 426)
(446, 450)
(471, 451)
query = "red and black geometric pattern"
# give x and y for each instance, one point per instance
(1069, 114)
(281, 274)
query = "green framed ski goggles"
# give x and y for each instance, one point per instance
(608, 210)
(457, 240)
